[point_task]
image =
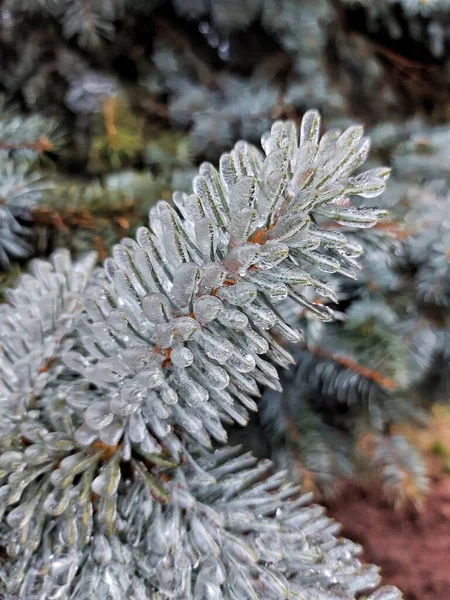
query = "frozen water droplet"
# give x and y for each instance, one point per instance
(207, 308)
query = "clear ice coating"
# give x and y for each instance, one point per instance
(221, 526)
(183, 313)
(114, 386)
(35, 324)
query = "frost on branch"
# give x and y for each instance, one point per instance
(169, 345)
(22, 140)
(226, 527)
(175, 335)
(34, 324)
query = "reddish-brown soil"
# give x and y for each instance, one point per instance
(412, 546)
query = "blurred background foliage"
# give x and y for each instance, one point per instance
(110, 105)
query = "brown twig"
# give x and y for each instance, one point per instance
(348, 363)
(41, 145)
(399, 60)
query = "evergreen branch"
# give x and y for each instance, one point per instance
(370, 374)
(184, 314)
(110, 488)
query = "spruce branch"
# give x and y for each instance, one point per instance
(224, 525)
(23, 140)
(34, 326)
(175, 332)
(110, 488)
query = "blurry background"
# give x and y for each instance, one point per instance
(109, 105)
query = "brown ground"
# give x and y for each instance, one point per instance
(410, 544)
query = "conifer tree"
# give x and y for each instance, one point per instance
(116, 381)
(265, 303)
